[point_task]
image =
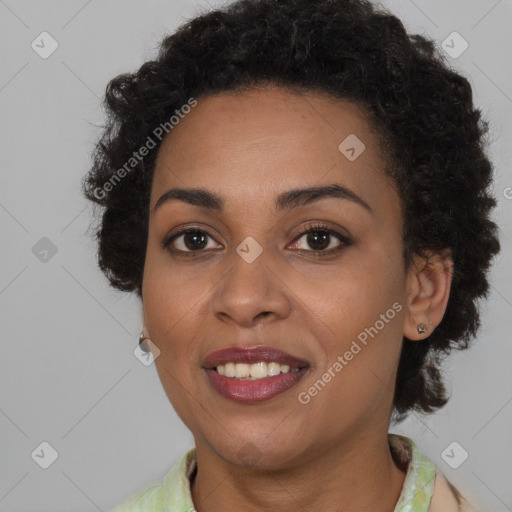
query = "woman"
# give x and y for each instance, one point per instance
(298, 192)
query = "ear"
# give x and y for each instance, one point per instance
(428, 289)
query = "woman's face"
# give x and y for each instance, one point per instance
(251, 277)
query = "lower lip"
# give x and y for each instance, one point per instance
(253, 391)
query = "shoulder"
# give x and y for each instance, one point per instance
(425, 487)
(171, 490)
(447, 498)
(146, 499)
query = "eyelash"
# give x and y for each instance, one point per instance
(316, 228)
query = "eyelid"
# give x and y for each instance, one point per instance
(321, 226)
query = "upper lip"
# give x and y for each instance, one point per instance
(252, 355)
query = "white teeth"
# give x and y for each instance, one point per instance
(253, 371)
(229, 369)
(274, 368)
(242, 370)
(259, 370)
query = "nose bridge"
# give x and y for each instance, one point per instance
(250, 287)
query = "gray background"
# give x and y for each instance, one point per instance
(68, 375)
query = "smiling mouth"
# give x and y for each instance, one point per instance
(253, 374)
(255, 371)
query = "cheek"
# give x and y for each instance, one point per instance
(168, 291)
(357, 315)
(170, 305)
(352, 294)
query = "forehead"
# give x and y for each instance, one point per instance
(249, 145)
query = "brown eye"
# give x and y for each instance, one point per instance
(190, 240)
(321, 240)
(318, 240)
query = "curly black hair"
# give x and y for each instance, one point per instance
(433, 137)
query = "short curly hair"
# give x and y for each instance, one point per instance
(432, 135)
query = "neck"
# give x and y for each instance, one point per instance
(359, 475)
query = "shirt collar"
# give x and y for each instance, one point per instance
(416, 492)
(420, 474)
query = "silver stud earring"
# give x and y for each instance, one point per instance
(422, 328)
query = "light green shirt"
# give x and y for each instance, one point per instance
(171, 493)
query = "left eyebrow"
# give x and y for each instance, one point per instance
(285, 201)
(304, 196)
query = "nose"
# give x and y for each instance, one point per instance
(251, 293)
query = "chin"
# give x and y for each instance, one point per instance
(252, 453)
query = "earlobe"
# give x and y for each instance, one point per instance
(428, 290)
